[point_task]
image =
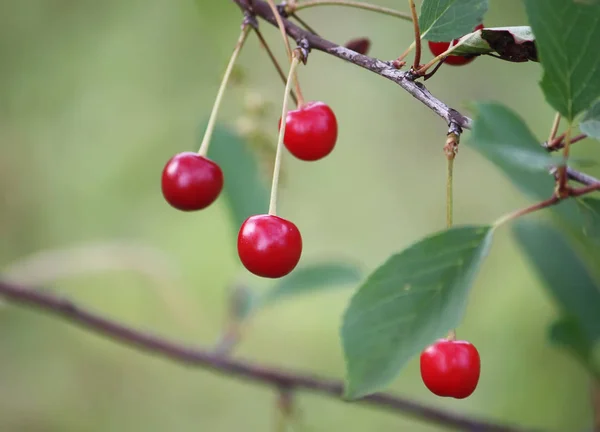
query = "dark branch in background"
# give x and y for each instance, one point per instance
(385, 69)
(192, 356)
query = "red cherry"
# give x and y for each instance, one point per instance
(451, 368)
(191, 182)
(438, 48)
(310, 131)
(269, 246)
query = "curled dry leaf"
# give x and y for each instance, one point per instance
(360, 45)
(515, 44)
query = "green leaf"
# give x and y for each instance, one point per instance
(567, 333)
(416, 296)
(516, 44)
(590, 124)
(502, 137)
(444, 20)
(244, 189)
(563, 272)
(567, 34)
(313, 278)
(590, 212)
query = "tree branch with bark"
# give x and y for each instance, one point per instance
(192, 356)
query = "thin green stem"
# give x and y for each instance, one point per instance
(449, 198)
(281, 26)
(450, 149)
(280, 72)
(215, 110)
(278, 155)
(288, 48)
(407, 52)
(354, 4)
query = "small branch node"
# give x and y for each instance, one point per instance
(303, 49)
(398, 64)
(286, 9)
(452, 141)
(250, 20)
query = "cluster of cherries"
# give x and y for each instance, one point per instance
(270, 246)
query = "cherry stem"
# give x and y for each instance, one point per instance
(405, 53)
(280, 72)
(215, 110)
(449, 201)
(415, 20)
(554, 128)
(288, 48)
(450, 150)
(279, 152)
(443, 55)
(553, 200)
(352, 4)
(281, 26)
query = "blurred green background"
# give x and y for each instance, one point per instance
(96, 96)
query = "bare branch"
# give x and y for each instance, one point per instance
(192, 356)
(385, 69)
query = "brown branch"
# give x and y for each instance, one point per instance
(385, 69)
(192, 356)
(553, 200)
(559, 142)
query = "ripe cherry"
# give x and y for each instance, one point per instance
(451, 368)
(191, 182)
(269, 246)
(310, 131)
(438, 48)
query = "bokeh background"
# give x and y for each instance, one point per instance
(96, 96)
